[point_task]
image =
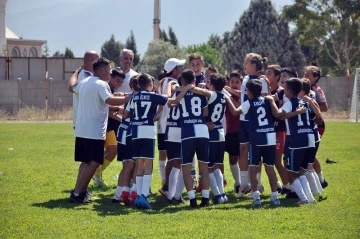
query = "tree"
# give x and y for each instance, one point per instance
(157, 54)
(259, 31)
(111, 50)
(173, 39)
(68, 53)
(131, 44)
(333, 25)
(163, 35)
(215, 41)
(58, 54)
(211, 55)
(45, 50)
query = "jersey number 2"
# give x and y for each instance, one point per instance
(261, 118)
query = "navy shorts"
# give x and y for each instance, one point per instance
(124, 152)
(189, 147)
(286, 148)
(216, 153)
(87, 150)
(143, 148)
(244, 132)
(173, 150)
(312, 155)
(161, 142)
(232, 144)
(298, 158)
(266, 153)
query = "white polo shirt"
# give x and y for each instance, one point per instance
(92, 114)
(82, 75)
(125, 87)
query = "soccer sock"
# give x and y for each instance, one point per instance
(312, 183)
(146, 185)
(258, 177)
(139, 183)
(321, 178)
(118, 191)
(235, 171)
(133, 187)
(162, 166)
(288, 186)
(274, 196)
(205, 193)
(256, 195)
(180, 186)
(97, 175)
(191, 194)
(244, 175)
(126, 189)
(97, 179)
(213, 185)
(299, 190)
(317, 181)
(305, 185)
(173, 177)
(219, 180)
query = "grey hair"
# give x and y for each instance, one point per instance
(126, 51)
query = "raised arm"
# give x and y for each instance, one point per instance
(200, 91)
(233, 91)
(314, 105)
(73, 80)
(176, 101)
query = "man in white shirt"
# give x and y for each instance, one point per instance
(126, 62)
(91, 122)
(86, 71)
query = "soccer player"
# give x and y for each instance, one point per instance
(91, 123)
(194, 138)
(302, 139)
(116, 80)
(196, 62)
(142, 109)
(313, 73)
(273, 73)
(253, 64)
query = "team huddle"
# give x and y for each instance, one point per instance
(272, 120)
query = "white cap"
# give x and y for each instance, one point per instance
(172, 63)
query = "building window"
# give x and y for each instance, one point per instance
(15, 52)
(33, 52)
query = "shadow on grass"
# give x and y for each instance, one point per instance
(60, 203)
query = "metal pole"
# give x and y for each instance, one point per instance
(46, 94)
(357, 94)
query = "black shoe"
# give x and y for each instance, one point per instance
(324, 184)
(115, 201)
(204, 202)
(193, 203)
(79, 199)
(329, 161)
(179, 201)
(285, 191)
(291, 195)
(279, 189)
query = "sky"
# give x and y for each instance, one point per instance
(85, 25)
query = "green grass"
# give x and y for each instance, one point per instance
(39, 172)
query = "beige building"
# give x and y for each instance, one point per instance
(13, 46)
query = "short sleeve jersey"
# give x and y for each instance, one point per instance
(124, 125)
(216, 107)
(191, 116)
(143, 108)
(319, 94)
(262, 132)
(279, 124)
(301, 133)
(200, 79)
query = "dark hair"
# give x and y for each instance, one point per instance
(218, 81)
(161, 76)
(294, 85)
(315, 69)
(227, 77)
(117, 73)
(289, 71)
(306, 85)
(134, 83)
(195, 56)
(255, 87)
(257, 60)
(100, 62)
(144, 81)
(179, 80)
(237, 75)
(187, 76)
(212, 68)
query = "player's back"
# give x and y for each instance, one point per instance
(216, 109)
(192, 117)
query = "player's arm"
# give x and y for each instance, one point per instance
(176, 101)
(73, 80)
(314, 106)
(323, 107)
(233, 91)
(200, 91)
(233, 110)
(157, 115)
(117, 100)
(265, 86)
(119, 94)
(285, 112)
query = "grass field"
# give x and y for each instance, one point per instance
(38, 171)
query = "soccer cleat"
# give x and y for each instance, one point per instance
(275, 202)
(217, 199)
(137, 202)
(193, 203)
(318, 197)
(132, 198)
(260, 188)
(164, 191)
(236, 188)
(256, 202)
(204, 202)
(124, 197)
(245, 189)
(115, 200)
(291, 195)
(144, 202)
(224, 197)
(178, 201)
(324, 195)
(78, 199)
(324, 184)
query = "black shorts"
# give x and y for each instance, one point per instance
(173, 150)
(87, 150)
(216, 153)
(312, 155)
(267, 153)
(189, 147)
(298, 158)
(161, 142)
(143, 148)
(124, 152)
(232, 144)
(244, 132)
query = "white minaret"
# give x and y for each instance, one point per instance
(2, 27)
(156, 20)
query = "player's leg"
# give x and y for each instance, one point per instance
(187, 154)
(280, 144)
(174, 158)
(219, 164)
(212, 180)
(243, 159)
(317, 166)
(121, 148)
(162, 157)
(254, 163)
(202, 153)
(232, 147)
(269, 154)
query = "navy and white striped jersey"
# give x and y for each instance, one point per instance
(143, 108)
(191, 116)
(217, 106)
(301, 132)
(173, 129)
(262, 132)
(122, 130)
